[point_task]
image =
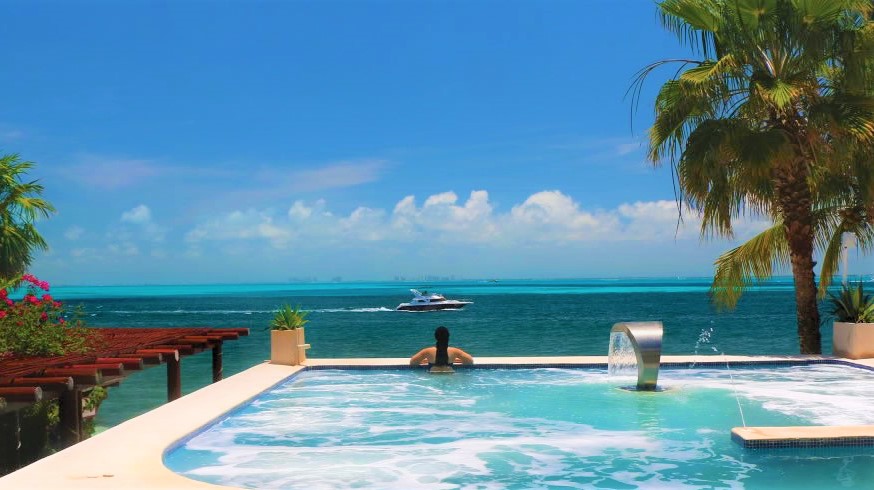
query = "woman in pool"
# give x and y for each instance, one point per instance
(441, 356)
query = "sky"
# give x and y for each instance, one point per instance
(201, 142)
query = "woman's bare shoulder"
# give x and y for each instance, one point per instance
(462, 356)
(423, 355)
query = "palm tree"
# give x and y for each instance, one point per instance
(847, 206)
(20, 207)
(778, 101)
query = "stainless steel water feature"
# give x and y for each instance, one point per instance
(646, 338)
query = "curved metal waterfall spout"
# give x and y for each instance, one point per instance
(646, 337)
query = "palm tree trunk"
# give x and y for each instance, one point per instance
(795, 202)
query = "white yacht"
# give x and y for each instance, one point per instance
(423, 301)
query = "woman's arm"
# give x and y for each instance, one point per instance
(420, 357)
(461, 356)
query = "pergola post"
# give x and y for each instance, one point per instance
(174, 377)
(217, 362)
(70, 413)
(10, 449)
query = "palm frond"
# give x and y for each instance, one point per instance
(743, 266)
(694, 22)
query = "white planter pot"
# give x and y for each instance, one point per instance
(288, 347)
(853, 340)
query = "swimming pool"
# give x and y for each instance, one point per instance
(534, 428)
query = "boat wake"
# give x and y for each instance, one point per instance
(378, 309)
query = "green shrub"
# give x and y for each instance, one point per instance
(288, 318)
(852, 305)
(39, 325)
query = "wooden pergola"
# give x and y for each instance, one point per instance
(118, 352)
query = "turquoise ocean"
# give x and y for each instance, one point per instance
(507, 318)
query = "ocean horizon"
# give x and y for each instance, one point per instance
(585, 284)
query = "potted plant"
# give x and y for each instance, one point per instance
(287, 343)
(853, 335)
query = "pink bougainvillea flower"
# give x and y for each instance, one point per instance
(62, 321)
(2, 314)
(10, 302)
(44, 316)
(3, 293)
(47, 298)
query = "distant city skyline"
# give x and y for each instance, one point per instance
(190, 142)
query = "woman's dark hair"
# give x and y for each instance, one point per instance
(441, 334)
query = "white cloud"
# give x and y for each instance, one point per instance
(275, 181)
(138, 215)
(658, 220)
(553, 216)
(74, 233)
(241, 225)
(300, 211)
(111, 173)
(364, 224)
(342, 174)
(83, 252)
(443, 198)
(123, 248)
(627, 148)
(546, 217)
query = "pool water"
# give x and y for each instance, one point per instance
(534, 428)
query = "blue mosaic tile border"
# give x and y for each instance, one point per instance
(812, 442)
(602, 365)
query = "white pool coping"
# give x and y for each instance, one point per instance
(130, 455)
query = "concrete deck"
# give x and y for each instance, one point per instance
(130, 454)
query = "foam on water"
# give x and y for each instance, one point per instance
(375, 309)
(538, 428)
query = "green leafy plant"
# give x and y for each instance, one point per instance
(92, 402)
(288, 318)
(21, 206)
(95, 398)
(852, 305)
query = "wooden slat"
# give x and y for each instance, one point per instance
(172, 353)
(46, 382)
(208, 339)
(111, 381)
(148, 358)
(111, 369)
(30, 394)
(192, 341)
(129, 363)
(83, 376)
(183, 349)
